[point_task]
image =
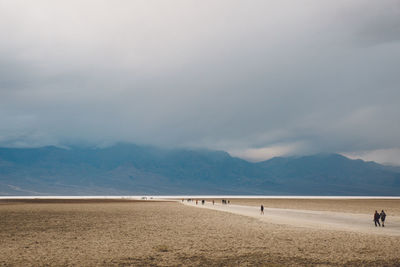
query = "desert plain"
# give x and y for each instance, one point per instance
(167, 233)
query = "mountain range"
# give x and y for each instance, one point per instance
(128, 169)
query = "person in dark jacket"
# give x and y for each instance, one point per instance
(383, 217)
(262, 209)
(376, 219)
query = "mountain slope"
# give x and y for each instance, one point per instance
(127, 169)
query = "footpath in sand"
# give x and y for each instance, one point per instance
(311, 219)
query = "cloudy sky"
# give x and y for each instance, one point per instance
(255, 78)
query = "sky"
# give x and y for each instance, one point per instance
(255, 78)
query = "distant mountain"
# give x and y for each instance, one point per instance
(127, 169)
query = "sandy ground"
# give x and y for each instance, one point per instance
(326, 220)
(171, 234)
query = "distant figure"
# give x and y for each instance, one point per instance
(229, 202)
(196, 201)
(213, 201)
(376, 219)
(202, 202)
(383, 217)
(262, 209)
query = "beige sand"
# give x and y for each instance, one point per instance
(171, 234)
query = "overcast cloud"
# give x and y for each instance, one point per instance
(255, 78)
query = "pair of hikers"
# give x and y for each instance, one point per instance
(378, 216)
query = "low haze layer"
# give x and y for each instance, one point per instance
(128, 169)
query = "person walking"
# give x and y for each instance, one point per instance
(383, 217)
(376, 219)
(262, 209)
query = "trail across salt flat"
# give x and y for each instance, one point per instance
(312, 219)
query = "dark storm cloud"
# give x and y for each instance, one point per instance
(377, 23)
(254, 78)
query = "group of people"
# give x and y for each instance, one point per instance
(224, 201)
(381, 216)
(197, 201)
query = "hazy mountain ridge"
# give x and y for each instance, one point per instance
(127, 169)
